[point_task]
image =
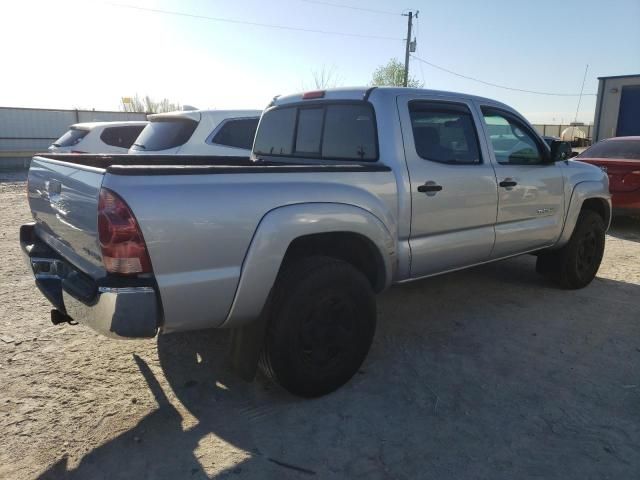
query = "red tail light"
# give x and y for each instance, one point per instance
(123, 248)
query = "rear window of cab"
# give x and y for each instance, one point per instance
(330, 131)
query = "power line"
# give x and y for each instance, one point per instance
(350, 7)
(497, 85)
(255, 24)
(581, 90)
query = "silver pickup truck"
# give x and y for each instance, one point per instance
(347, 191)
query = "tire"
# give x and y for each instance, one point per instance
(321, 322)
(575, 265)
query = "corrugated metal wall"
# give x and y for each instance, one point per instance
(25, 131)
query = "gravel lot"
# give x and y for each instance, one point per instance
(490, 373)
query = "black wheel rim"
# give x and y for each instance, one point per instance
(587, 252)
(327, 332)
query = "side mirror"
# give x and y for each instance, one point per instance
(573, 154)
(560, 151)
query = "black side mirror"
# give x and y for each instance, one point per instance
(559, 151)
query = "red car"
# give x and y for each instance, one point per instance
(620, 158)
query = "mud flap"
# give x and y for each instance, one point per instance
(246, 345)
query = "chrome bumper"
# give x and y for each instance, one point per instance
(118, 312)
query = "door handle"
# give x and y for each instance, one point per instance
(508, 182)
(430, 187)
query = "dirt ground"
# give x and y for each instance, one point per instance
(490, 373)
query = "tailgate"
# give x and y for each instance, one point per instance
(64, 203)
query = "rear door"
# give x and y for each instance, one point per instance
(453, 184)
(530, 191)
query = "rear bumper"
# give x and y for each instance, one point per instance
(119, 311)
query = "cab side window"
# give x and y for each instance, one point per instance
(444, 132)
(237, 133)
(513, 143)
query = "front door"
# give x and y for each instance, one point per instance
(453, 185)
(530, 189)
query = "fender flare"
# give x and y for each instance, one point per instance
(581, 192)
(275, 232)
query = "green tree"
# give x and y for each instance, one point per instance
(392, 75)
(147, 105)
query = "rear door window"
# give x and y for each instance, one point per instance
(71, 137)
(340, 131)
(238, 133)
(165, 133)
(444, 133)
(122, 137)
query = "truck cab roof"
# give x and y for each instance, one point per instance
(363, 93)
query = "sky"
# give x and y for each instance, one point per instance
(90, 53)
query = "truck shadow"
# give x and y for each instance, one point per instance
(625, 228)
(491, 371)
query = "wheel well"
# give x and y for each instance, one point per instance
(350, 247)
(599, 206)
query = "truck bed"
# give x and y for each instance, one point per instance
(198, 215)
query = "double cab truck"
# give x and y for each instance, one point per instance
(346, 192)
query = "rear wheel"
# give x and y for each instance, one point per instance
(575, 265)
(322, 320)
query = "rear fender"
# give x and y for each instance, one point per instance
(279, 228)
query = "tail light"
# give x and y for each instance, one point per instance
(123, 249)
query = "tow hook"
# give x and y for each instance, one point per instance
(57, 317)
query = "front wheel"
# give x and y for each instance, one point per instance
(322, 319)
(575, 265)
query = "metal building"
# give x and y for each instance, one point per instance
(26, 131)
(617, 107)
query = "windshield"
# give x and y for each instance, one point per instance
(625, 149)
(162, 134)
(72, 137)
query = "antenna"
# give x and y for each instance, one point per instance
(575, 120)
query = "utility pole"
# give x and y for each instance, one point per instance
(408, 46)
